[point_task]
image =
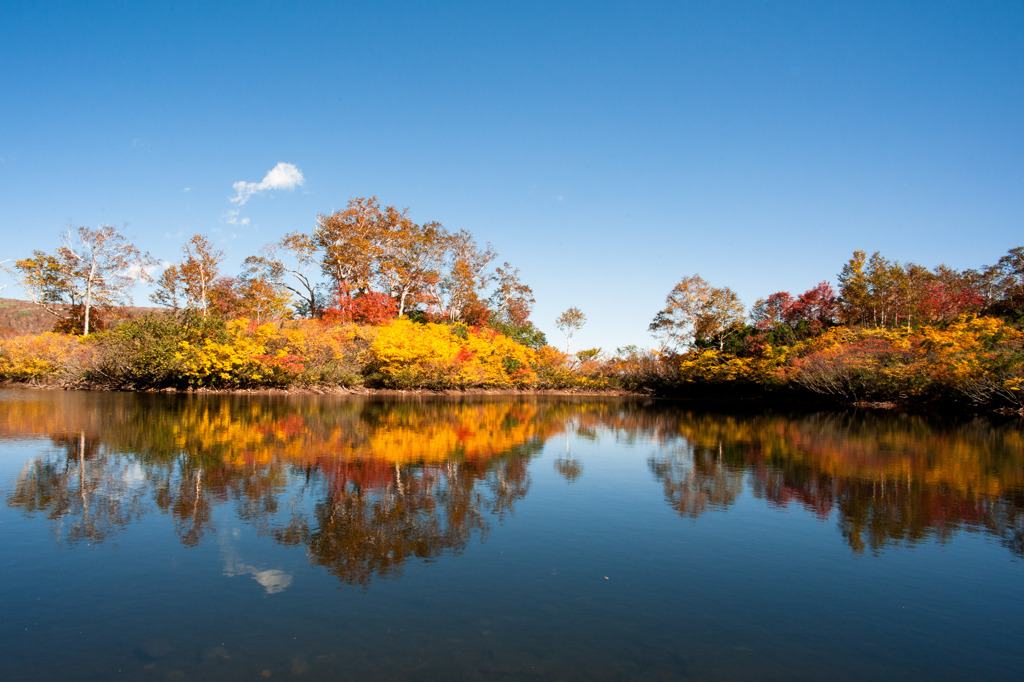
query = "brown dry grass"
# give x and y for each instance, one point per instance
(19, 317)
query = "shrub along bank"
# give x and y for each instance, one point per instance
(976, 362)
(160, 351)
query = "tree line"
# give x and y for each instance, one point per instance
(365, 263)
(873, 292)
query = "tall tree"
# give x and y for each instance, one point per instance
(190, 281)
(254, 298)
(1007, 284)
(883, 289)
(167, 292)
(350, 244)
(457, 294)
(414, 261)
(512, 300)
(853, 289)
(696, 312)
(46, 279)
(289, 264)
(199, 270)
(951, 293)
(772, 311)
(570, 322)
(93, 267)
(817, 307)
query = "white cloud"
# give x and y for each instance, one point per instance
(232, 218)
(187, 189)
(281, 176)
(136, 271)
(273, 580)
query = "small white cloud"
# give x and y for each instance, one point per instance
(281, 176)
(273, 581)
(187, 189)
(232, 218)
(136, 271)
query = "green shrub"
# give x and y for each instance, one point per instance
(140, 353)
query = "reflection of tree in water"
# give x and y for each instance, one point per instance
(368, 485)
(374, 515)
(696, 479)
(567, 466)
(875, 513)
(89, 496)
(888, 479)
(379, 495)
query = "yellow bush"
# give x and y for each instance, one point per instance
(406, 355)
(233, 361)
(43, 356)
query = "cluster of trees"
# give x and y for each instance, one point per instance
(873, 292)
(891, 332)
(366, 263)
(376, 263)
(886, 331)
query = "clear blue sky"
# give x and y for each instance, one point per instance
(604, 148)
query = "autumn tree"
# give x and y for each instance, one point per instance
(289, 264)
(570, 322)
(413, 262)
(167, 292)
(46, 279)
(93, 267)
(1006, 281)
(457, 295)
(853, 289)
(350, 244)
(192, 279)
(817, 307)
(697, 313)
(250, 298)
(882, 293)
(510, 305)
(774, 310)
(951, 293)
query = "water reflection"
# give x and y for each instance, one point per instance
(888, 479)
(366, 485)
(362, 485)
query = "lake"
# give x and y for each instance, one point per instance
(193, 537)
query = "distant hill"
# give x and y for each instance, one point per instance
(19, 317)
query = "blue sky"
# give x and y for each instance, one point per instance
(605, 148)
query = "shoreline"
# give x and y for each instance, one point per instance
(335, 390)
(712, 401)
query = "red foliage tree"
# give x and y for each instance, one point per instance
(944, 302)
(370, 307)
(818, 306)
(773, 310)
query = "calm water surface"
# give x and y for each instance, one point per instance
(225, 537)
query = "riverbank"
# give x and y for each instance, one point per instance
(713, 400)
(973, 364)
